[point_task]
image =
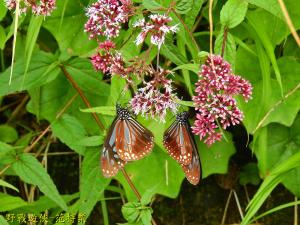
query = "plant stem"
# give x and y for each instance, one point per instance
(137, 194)
(104, 210)
(273, 108)
(187, 29)
(224, 41)
(84, 99)
(211, 26)
(289, 22)
(2, 60)
(87, 103)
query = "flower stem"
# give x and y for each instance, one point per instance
(224, 41)
(187, 29)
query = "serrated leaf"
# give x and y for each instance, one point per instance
(104, 110)
(30, 170)
(9, 202)
(8, 134)
(233, 13)
(43, 69)
(184, 6)
(68, 128)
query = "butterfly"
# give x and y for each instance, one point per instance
(180, 144)
(127, 140)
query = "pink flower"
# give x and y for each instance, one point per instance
(157, 27)
(155, 98)
(214, 100)
(45, 7)
(42, 7)
(102, 60)
(106, 17)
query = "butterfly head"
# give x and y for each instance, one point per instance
(122, 113)
(182, 117)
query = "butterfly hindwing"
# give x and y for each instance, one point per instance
(193, 170)
(110, 161)
(178, 143)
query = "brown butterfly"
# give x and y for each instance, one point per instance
(127, 140)
(180, 144)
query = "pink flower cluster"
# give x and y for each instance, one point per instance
(42, 7)
(155, 98)
(214, 101)
(107, 60)
(106, 17)
(157, 27)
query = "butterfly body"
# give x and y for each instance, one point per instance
(127, 140)
(181, 146)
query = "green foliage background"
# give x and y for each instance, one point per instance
(258, 45)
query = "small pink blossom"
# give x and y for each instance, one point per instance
(157, 27)
(214, 100)
(41, 7)
(106, 17)
(155, 98)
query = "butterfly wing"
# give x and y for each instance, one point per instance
(193, 169)
(178, 143)
(133, 140)
(110, 161)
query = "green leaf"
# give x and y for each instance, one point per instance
(233, 13)
(2, 38)
(86, 77)
(184, 6)
(3, 221)
(271, 6)
(152, 5)
(8, 185)
(146, 216)
(75, 41)
(249, 174)
(92, 183)
(131, 211)
(30, 170)
(189, 66)
(10, 202)
(230, 47)
(8, 134)
(171, 52)
(43, 69)
(31, 37)
(68, 129)
(3, 10)
(118, 92)
(253, 19)
(277, 174)
(104, 110)
(90, 141)
(186, 103)
(191, 17)
(44, 203)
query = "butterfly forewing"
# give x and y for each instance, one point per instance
(133, 140)
(177, 141)
(110, 161)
